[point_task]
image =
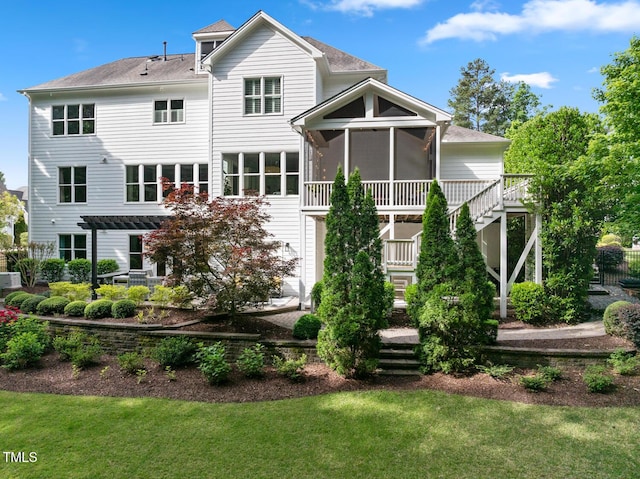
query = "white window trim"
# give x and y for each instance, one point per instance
(65, 120)
(177, 182)
(262, 95)
(168, 111)
(73, 248)
(262, 173)
(73, 186)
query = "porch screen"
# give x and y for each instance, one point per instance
(369, 151)
(325, 151)
(413, 158)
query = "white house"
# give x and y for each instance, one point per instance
(254, 108)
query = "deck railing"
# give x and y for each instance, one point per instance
(411, 194)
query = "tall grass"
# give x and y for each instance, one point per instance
(347, 435)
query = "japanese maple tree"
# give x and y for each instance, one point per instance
(219, 248)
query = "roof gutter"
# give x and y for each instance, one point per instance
(111, 87)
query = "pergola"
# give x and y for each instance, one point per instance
(101, 222)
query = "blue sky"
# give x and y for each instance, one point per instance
(557, 46)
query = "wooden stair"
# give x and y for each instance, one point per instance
(398, 360)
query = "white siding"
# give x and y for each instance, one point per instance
(124, 134)
(470, 162)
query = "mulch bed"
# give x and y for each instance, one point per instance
(54, 376)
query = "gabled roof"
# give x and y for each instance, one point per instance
(259, 19)
(340, 61)
(219, 26)
(334, 60)
(371, 84)
(458, 134)
(128, 72)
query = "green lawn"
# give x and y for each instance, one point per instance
(349, 435)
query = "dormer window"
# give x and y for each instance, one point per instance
(208, 47)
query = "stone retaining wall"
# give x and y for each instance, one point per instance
(531, 358)
(118, 338)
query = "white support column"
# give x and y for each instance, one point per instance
(538, 250)
(392, 161)
(504, 278)
(437, 140)
(303, 261)
(347, 139)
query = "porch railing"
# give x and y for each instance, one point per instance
(398, 193)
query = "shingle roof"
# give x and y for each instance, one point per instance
(458, 134)
(129, 71)
(219, 26)
(340, 61)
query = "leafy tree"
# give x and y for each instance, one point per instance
(437, 261)
(219, 249)
(620, 148)
(32, 257)
(524, 104)
(479, 101)
(353, 297)
(569, 193)
(10, 209)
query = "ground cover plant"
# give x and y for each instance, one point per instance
(435, 435)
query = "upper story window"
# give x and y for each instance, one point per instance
(143, 182)
(168, 111)
(77, 119)
(262, 96)
(72, 184)
(273, 174)
(208, 47)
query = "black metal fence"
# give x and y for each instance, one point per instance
(612, 267)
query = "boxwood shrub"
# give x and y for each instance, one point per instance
(75, 308)
(123, 308)
(174, 351)
(629, 316)
(53, 305)
(307, 327)
(30, 304)
(16, 299)
(98, 309)
(612, 324)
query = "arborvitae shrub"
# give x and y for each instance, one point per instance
(307, 327)
(51, 306)
(124, 308)
(30, 305)
(98, 309)
(612, 324)
(529, 301)
(316, 294)
(75, 308)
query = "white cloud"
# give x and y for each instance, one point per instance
(367, 7)
(540, 80)
(2, 97)
(539, 16)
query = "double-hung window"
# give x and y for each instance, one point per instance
(72, 246)
(262, 96)
(168, 111)
(77, 119)
(72, 184)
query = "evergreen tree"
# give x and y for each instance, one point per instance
(352, 306)
(437, 259)
(472, 268)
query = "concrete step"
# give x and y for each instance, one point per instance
(398, 360)
(399, 372)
